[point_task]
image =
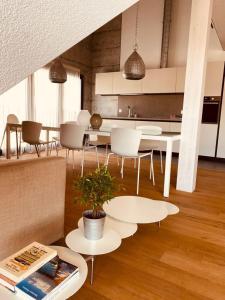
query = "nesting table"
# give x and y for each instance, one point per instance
(134, 209)
(123, 215)
(77, 242)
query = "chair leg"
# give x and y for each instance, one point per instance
(107, 160)
(106, 149)
(152, 169)
(97, 159)
(161, 161)
(73, 158)
(17, 146)
(122, 164)
(82, 164)
(37, 150)
(138, 174)
(67, 155)
(20, 145)
(135, 163)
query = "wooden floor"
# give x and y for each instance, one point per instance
(184, 259)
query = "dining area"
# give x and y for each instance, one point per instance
(77, 138)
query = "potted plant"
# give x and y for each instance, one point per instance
(95, 189)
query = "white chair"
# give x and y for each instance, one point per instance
(98, 140)
(57, 139)
(125, 143)
(72, 138)
(147, 145)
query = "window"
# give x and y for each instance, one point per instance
(46, 98)
(13, 101)
(71, 103)
(49, 103)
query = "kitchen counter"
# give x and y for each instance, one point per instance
(156, 119)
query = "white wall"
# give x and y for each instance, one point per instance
(35, 32)
(149, 32)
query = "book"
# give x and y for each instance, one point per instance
(41, 285)
(18, 266)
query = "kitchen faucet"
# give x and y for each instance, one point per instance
(129, 111)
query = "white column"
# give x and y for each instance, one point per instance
(201, 13)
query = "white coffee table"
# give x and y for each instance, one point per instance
(141, 210)
(72, 286)
(124, 229)
(76, 241)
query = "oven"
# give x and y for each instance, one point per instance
(211, 110)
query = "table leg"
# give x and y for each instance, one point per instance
(92, 259)
(47, 145)
(8, 150)
(169, 148)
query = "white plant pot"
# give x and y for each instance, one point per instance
(83, 118)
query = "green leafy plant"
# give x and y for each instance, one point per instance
(96, 188)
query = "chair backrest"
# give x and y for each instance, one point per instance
(149, 129)
(31, 132)
(125, 141)
(72, 136)
(71, 122)
(11, 118)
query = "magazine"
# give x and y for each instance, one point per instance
(41, 285)
(18, 266)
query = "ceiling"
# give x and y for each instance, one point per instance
(219, 20)
(35, 32)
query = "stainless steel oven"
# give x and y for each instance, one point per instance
(211, 110)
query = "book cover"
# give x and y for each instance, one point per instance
(26, 261)
(41, 285)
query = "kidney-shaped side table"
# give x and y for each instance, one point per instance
(77, 242)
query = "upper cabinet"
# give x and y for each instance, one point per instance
(213, 81)
(158, 81)
(124, 86)
(103, 83)
(180, 79)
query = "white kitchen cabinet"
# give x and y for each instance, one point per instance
(125, 86)
(175, 127)
(159, 81)
(221, 138)
(214, 76)
(208, 135)
(180, 79)
(213, 80)
(104, 83)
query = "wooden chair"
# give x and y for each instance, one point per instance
(31, 135)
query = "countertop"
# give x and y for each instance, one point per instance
(157, 119)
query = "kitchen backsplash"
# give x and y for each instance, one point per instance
(163, 105)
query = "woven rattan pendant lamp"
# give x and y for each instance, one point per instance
(134, 67)
(57, 72)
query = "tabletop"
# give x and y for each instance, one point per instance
(76, 241)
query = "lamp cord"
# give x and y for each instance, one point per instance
(136, 28)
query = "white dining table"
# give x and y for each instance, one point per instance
(168, 137)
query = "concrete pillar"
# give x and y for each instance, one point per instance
(201, 13)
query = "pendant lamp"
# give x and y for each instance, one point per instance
(134, 67)
(57, 72)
